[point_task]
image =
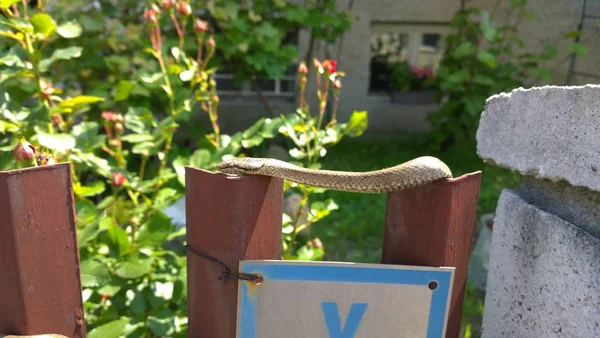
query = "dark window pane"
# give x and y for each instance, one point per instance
(267, 85)
(228, 85)
(431, 40)
(287, 86)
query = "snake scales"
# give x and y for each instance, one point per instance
(416, 172)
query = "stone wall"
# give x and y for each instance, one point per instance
(544, 272)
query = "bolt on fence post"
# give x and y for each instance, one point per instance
(40, 291)
(433, 225)
(228, 219)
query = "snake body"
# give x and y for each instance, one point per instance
(416, 172)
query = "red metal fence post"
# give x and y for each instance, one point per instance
(230, 219)
(433, 225)
(40, 290)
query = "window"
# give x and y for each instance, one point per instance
(284, 86)
(416, 44)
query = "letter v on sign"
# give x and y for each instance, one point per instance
(333, 321)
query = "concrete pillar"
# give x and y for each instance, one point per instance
(544, 271)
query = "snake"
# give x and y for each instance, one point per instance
(416, 172)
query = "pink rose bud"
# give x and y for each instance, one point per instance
(184, 8)
(302, 69)
(118, 179)
(211, 42)
(200, 26)
(108, 116)
(23, 151)
(168, 4)
(150, 16)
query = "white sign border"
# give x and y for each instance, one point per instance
(325, 271)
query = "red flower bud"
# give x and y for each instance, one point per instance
(302, 69)
(119, 127)
(200, 26)
(168, 4)
(118, 179)
(329, 66)
(150, 16)
(108, 116)
(211, 42)
(23, 151)
(184, 8)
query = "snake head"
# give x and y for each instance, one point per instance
(241, 165)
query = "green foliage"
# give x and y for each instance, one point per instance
(482, 58)
(108, 91)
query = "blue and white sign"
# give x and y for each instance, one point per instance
(343, 300)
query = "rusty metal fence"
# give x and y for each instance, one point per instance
(229, 219)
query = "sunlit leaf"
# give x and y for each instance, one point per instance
(134, 267)
(93, 273)
(113, 329)
(43, 24)
(69, 30)
(96, 188)
(60, 54)
(358, 123)
(7, 3)
(57, 142)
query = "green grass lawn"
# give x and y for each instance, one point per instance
(354, 233)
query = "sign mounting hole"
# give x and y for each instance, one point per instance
(433, 285)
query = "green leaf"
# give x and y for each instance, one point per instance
(18, 24)
(466, 48)
(117, 238)
(97, 188)
(11, 59)
(145, 148)
(252, 141)
(43, 24)
(253, 129)
(69, 30)
(137, 138)
(162, 324)
(87, 137)
(577, 48)
(79, 101)
(5, 4)
(93, 273)
(154, 232)
(134, 267)
(124, 89)
(136, 301)
(113, 329)
(487, 58)
(200, 158)
(57, 142)
(358, 123)
(60, 54)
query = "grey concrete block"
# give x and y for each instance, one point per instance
(549, 132)
(544, 278)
